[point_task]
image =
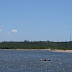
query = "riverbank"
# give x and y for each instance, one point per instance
(25, 49)
(42, 49)
(62, 51)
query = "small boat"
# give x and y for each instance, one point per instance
(44, 60)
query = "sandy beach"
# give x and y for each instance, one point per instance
(25, 49)
(49, 50)
(42, 49)
(62, 50)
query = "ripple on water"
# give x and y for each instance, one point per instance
(29, 61)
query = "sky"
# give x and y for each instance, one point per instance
(35, 20)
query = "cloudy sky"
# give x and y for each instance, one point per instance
(35, 20)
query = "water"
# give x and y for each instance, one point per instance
(29, 61)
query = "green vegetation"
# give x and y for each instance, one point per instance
(36, 45)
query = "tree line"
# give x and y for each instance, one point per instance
(36, 45)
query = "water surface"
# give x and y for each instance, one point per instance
(29, 61)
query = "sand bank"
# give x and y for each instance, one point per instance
(49, 50)
(42, 49)
(62, 50)
(25, 49)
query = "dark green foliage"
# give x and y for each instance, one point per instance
(36, 45)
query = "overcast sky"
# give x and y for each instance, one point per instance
(35, 20)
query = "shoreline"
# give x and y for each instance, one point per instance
(25, 49)
(70, 51)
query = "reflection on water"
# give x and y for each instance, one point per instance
(29, 61)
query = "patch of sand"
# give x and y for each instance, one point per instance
(62, 50)
(42, 49)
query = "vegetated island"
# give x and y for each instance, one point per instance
(36, 45)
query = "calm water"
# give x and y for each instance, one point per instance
(29, 61)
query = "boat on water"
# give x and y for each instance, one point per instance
(45, 60)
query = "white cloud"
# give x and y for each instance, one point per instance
(14, 30)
